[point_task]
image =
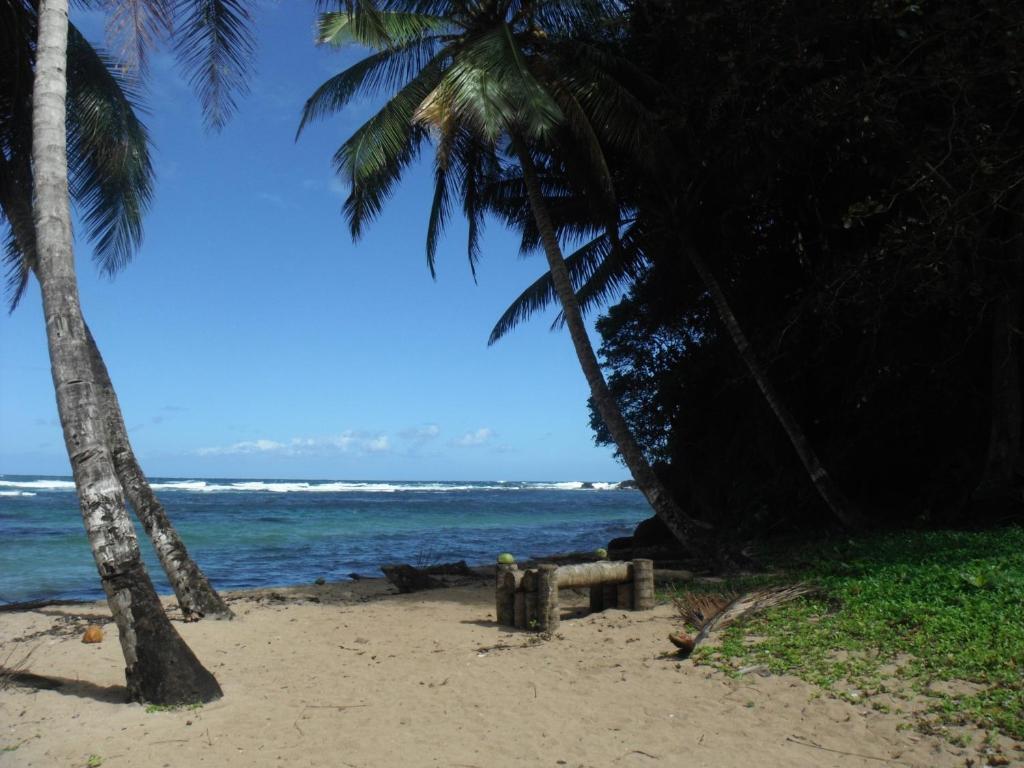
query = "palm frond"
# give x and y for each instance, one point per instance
(134, 27)
(490, 86)
(479, 164)
(588, 148)
(440, 207)
(541, 293)
(110, 173)
(600, 270)
(567, 201)
(377, 29)
(597, 82)
(567, 18)
(373, 158)
(713, 613)
(214, 43)
(16, 266)
(464, 163)
(19, 250)
(384, 69)
(622, 265)
(17, 45)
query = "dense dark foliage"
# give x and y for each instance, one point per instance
(854, 173)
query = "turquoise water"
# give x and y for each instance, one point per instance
(247, 533)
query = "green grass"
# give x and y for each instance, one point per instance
(896, 614)
(152, 708)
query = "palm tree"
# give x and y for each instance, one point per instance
(111, 181)
(492, 82)
(160, 667)
(601, 267)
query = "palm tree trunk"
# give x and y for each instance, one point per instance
(834, 498)
(159, 666)
(686, 529)
(195, 594)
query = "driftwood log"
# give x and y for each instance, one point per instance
(449, 569)
(409, 579)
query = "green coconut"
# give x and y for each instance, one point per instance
(601, 553)
(506, 558)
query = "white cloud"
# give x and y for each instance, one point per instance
(331, 184)
(246, 446)
(378, 444)
(349, 441)
(420, 434)
(479, 437)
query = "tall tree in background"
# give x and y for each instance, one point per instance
(857, 196)
(111, 179)
(490, 83)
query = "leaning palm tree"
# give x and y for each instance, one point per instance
(111, 181)
(603, 266)
(491, 83)
(159, 666)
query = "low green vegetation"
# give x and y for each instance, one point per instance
(900, 619)
(152, 708)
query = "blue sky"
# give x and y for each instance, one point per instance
(252, 338)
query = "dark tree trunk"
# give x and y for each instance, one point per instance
(837, 502)
(691, 533)
(159, 667)
(196, 596)
(1005, 425)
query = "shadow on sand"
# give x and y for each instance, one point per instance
(83, 689)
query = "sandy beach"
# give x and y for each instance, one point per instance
(353, 675)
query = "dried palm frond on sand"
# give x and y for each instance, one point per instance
(710, 612)
(12, 668)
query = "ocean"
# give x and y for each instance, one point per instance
(259, 533)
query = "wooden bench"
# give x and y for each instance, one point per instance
(528, 599)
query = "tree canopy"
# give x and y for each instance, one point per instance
(855, 173)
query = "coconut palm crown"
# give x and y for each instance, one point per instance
(496, 86)
(478, 79)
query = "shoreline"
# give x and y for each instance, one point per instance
(480, 571)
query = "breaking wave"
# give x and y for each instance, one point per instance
(28, 487)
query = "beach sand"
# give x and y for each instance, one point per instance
(352, 675)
